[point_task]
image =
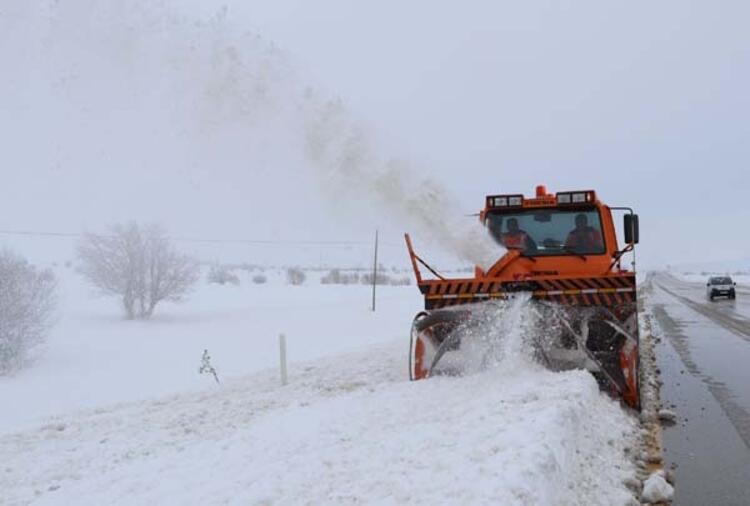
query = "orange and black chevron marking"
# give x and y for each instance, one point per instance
(601, 291)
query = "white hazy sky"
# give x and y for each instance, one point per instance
(192, 114)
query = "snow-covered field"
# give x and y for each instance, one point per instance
(693, 277)
(132, 422)
(93, 356)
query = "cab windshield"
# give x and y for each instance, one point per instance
(545, 232)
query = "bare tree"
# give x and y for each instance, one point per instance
(138, 264)
(27, 301)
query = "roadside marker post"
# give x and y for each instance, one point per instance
(375, 271)
(282, 358)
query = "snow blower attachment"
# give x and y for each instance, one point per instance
(562, 251)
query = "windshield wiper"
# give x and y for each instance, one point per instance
(575, 253)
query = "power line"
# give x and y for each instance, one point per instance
(257, 242)
(27, 232)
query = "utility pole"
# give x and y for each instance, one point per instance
(375, 270)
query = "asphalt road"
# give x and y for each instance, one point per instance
(704, 355)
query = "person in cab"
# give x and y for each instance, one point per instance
(515, 238)
(584, 238)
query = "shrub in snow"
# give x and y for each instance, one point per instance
(385, 279)
(382, 279)
(295, 276)
(27, 301)
(222, 274)
(259, 279)
(336, 277)
(332, 278)
(139, 265)
(405, 281)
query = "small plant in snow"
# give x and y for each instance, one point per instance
(206, 367)
(259, 279)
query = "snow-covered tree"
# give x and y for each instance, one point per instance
(27, 302)
(138, 264)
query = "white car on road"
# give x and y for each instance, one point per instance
(720, 286)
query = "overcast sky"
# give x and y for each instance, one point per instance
(195, 115)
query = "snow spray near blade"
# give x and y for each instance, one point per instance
(339, 149)
(497, 334)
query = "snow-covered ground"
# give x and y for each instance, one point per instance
(93, 356)
(349, 427)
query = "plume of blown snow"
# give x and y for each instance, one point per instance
(195, 80)
(340, 150)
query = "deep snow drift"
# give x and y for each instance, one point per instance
(349, 427)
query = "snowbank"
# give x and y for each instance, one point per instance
(346, 429)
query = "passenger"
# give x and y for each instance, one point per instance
(515, 238)
(583, 238)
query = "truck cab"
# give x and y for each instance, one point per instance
(569, 233)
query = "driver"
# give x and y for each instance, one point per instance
(583, 238)
(515, 238)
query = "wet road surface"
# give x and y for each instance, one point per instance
(704, 356)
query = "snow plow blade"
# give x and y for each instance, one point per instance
(588, 330)
(585, 302)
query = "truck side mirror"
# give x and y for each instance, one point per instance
(631, 228)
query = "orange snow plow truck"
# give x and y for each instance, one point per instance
(562, 252)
